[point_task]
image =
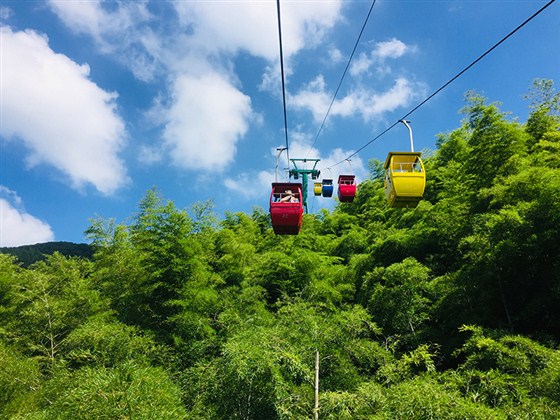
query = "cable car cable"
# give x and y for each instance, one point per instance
(283, 83)
(342, 78)
(449, 82)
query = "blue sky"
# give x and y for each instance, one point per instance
(102, 100)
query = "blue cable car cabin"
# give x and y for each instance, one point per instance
(286, 207)
(405, 179)
(328, 188)
(346, 188)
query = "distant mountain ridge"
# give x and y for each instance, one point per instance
(29, 254)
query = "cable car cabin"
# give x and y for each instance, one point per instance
(346, 188)
(405, 179)
(286, 208)
(317, 188)
(327, 188)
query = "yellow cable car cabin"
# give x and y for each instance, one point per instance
(405, 179)
(317, 188)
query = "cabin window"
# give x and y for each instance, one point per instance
(406, 166)
(286, 197)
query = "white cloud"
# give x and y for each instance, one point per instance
(254, 28)
(207, 118)
(304, 24)
(361, 101)
(377, 57)
(194, 49)
(390, 49)
(361, 64)
(63, 118)
(149, 155)
(399, 95)
(199, 28)
(18, 227)
(122, 31)
(106, 27)
(10, 196)
(335, 55)
(5, 12)
(214, 31)
(250, 186)
(82, 17)
(204, 29)
(312, 97)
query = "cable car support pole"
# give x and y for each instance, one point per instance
(316, 405)
(405, 122)
(296, 172)
(280, 150)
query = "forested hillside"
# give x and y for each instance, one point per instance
(29, 254)
(447, 310)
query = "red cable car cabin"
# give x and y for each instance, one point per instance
(346, 188)
(286, 208)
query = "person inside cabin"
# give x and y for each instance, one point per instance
(289, 197)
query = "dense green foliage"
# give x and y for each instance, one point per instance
(448, 310)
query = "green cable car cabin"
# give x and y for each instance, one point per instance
(405, 179)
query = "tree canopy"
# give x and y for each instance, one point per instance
(446, 310)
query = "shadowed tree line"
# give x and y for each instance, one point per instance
(29, 254)
(448, 310)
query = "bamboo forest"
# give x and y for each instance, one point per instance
(448, 310)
